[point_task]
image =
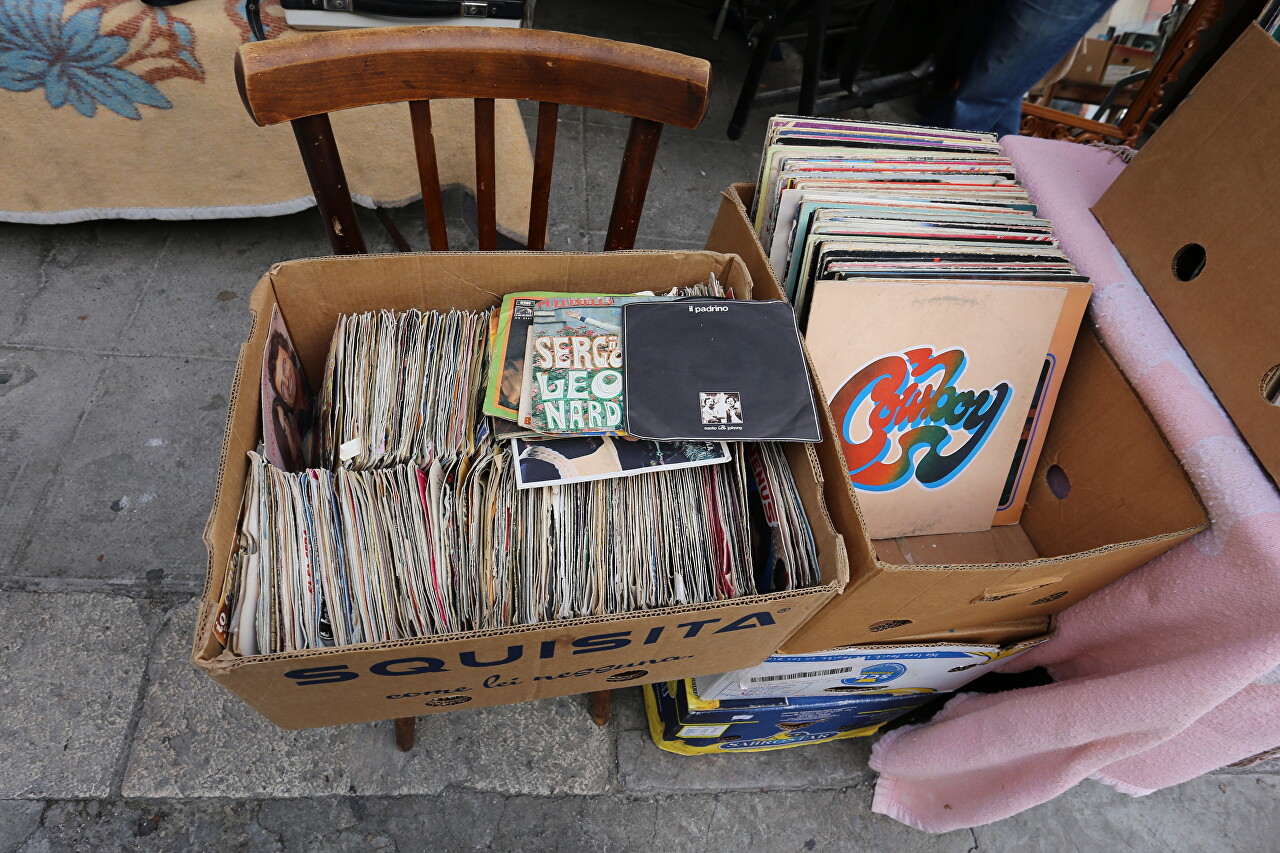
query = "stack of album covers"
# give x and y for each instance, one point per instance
(398, 388)
(847, 200)
(554, 388)
(937, 307)
(414, 524)
(572, 374)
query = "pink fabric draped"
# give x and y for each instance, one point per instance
(1166, 674)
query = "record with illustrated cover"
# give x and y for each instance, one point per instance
(716, 369)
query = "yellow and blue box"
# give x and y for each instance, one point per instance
(680, 722)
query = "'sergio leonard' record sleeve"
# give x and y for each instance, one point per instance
(718, 369)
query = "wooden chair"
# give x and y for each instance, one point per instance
(301, 80)
(1048, 123)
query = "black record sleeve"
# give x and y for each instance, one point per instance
(720, 369)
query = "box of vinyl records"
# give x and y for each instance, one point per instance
(863, 670)
(682, 722)
(411, 568)
(1104, 496)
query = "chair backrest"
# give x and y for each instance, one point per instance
(301, 80)
(1049, 123)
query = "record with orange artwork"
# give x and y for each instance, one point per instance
(930, 385)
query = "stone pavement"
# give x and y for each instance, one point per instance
(117, 346)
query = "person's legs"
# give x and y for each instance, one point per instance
(1025, 40)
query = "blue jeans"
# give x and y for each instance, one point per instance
(1025, 39)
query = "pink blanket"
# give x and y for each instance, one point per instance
(1172, 671)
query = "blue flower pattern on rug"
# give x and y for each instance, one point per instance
(71, 60)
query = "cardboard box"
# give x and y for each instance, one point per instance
(1108, 495)
(1123, 61)
(1194, 215)
(999, 634)
(680, 723)
(866, 670)
(321, 687)
(1090, 62)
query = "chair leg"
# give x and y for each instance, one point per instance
(392, 231)
(813, 57)
(405, 730)
(601, 706)
(764, 46)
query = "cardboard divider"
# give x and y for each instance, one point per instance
(1116, 498)
(319, 687)
(1193, 215)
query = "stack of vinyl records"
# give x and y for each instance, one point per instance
(397, 511)
(935, 302)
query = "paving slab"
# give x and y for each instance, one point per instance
(23, 248)
(18, 820)
(197, 302)
(1224, 814)
(42, 395)
(155, 827)
(456, 820)
(89, 282)
(628, 710)
(472, 820)
(73, 664)
(195, 739)
(136, 485)
(684, 189)
(798, 821)
(839, 820)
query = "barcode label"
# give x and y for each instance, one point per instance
(701, 731)
(817, 673)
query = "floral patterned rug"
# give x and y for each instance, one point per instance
(116, 109)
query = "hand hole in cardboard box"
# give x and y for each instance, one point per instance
(888, 624)
(629, 675)
(1058, 481)
(1270, 386)
(1188, 262)
(1001, 592)
(1048, 598)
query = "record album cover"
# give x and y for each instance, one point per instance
(929, 385)
(716, 369)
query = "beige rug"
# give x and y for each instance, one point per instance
(115, 109)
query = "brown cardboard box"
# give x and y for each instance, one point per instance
(1125, 500)
(322, 687)
(1194, 215)
(1090, 62)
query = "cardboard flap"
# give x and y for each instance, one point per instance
(1194, 215)
(243, 430)
(312, 292)
(1102, 434)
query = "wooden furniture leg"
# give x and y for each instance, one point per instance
(601, 705)
(405, 730)
(755, 70)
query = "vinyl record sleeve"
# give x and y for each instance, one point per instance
(716, 369)
(930, 384)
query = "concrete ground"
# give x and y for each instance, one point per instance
(117, 345)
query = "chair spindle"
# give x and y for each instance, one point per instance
(633, 183)
(329, 183)
(486, 190)
(424, 145)
(543, 158)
